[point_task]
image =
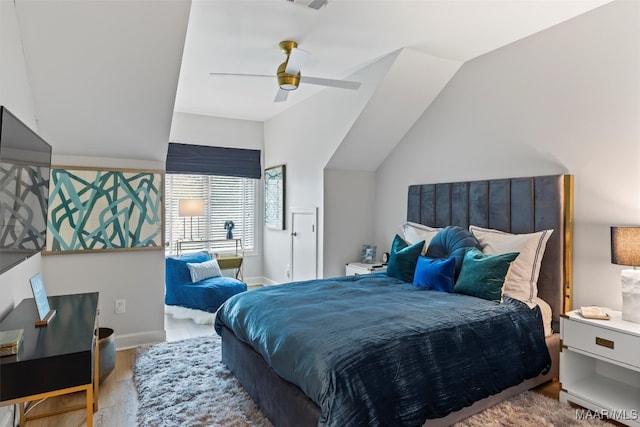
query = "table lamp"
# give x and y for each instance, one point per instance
(190, 208)
(625, 250)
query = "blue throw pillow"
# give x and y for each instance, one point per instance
(403, 259)
(483, 275)
(435, 274)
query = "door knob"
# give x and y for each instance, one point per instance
(294, 234)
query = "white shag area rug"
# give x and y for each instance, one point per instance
(198, 316)
(185, 383)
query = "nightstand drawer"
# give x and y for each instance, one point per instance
(358, 268)
(604, 342)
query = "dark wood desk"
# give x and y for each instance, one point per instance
(57, 359)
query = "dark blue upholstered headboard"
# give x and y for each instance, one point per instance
(514, 205)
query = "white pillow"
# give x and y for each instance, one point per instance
(521, 282)
(204, 270)
(414, 233)
(545, 309)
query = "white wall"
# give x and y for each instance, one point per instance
(216, 131)
(222, 132)
(304, 138)
(135, 276)
(349, 218)
(16, 95)
(564, 100)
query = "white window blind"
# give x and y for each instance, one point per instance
(226, 199)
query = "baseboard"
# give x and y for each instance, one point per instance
(259, 280)
(269, 282)
(127, 341)
(253, 280)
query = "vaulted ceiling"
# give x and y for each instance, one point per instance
(107, 75)
(343, 36)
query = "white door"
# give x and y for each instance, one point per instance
(304, 244)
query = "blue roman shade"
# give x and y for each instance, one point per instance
(206, 160)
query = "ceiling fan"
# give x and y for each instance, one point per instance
(288, 73)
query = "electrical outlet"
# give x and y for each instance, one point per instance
(121, 306)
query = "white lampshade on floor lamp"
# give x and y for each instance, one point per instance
(625, 250)
(190, 208)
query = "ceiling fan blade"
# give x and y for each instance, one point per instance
(239, 75)
(344, 84)
(281, 95)
(297, 59)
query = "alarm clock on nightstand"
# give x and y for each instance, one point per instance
(385, 257)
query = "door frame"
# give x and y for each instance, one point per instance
(303, 211)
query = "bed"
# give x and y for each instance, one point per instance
(517, 205)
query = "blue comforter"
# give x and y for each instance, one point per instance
(375, 351)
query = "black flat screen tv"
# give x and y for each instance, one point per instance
(25, 165)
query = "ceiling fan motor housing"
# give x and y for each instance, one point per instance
(287, 81)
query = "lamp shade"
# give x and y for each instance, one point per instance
(191, 207)
(625, 246)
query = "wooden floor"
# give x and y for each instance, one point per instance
(118, 399)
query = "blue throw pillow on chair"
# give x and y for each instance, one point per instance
(435, 274)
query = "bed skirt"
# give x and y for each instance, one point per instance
(287, 406)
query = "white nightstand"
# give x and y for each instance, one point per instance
(358, 268)
(600, 365)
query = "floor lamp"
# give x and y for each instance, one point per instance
(190, 208)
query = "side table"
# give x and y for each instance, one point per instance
(600, 365)
(358, 268)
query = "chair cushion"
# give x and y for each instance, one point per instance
(176, 269)
(206, 295)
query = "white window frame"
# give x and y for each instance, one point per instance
(211, 225)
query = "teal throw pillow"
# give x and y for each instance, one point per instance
(403, 259)
(483, 275)
(435, 274)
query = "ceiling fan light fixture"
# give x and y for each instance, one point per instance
(287, 81)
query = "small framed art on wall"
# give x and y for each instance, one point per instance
(274, 197)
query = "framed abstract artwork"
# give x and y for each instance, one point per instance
(274, 197)
(104, 210)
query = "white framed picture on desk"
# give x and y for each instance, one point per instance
(45, 314)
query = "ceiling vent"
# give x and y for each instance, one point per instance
(313, 4)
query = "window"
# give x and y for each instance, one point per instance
(226, 198)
